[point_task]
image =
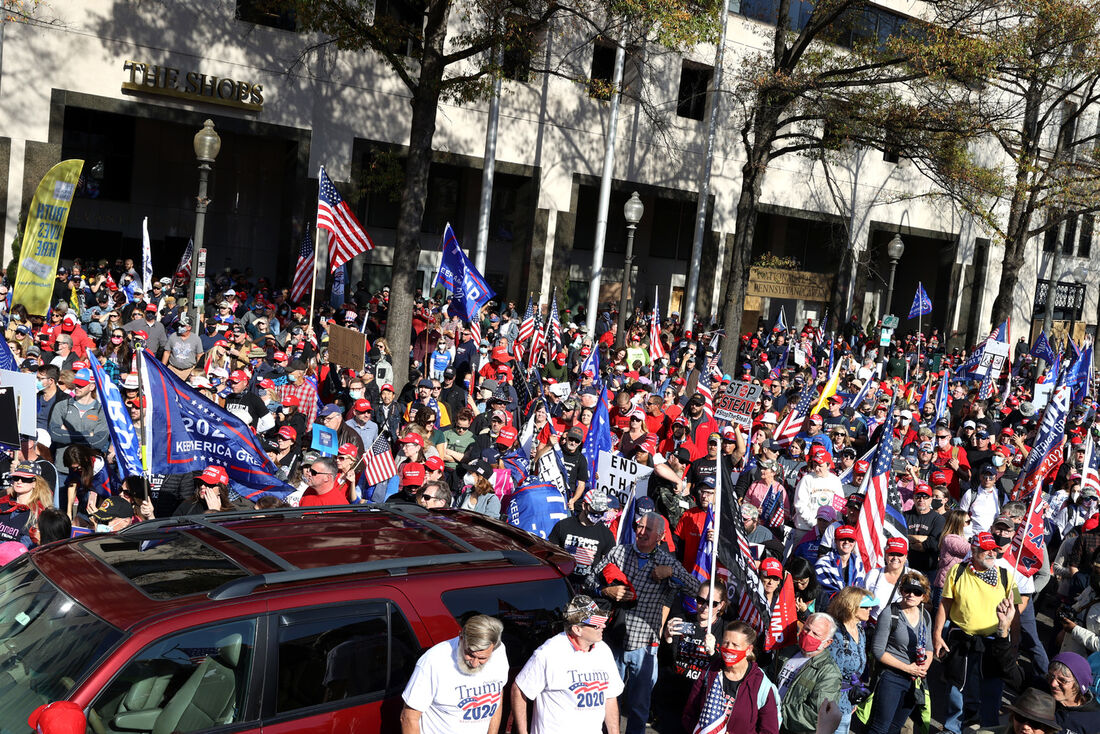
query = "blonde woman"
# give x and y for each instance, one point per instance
(29, 490)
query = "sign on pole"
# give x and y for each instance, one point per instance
(739, 403)
(621, 478)
(347, 347)
(994, 358)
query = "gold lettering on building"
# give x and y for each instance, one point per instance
(193, 86)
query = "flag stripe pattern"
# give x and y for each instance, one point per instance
(347, 237)
(791, 424)
(185, 261)
(380, 465)
(303, 270)
(526, 329)
(656, 348)
(870, 530)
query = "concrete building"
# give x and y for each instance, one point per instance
(125, 85)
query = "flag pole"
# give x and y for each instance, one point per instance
(715, 527)
(313, 280)
(920, 316)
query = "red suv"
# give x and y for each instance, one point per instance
(281, 621)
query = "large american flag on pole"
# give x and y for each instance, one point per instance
(185, 262)
(871, 529)
(1090, 478)
(526, 329)
(303, 269)
(538, 341)
(656, 348)
(553, 335)
(347, 238)
(380, 465)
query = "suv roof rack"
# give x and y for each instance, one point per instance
(395, 566)
(288, 572)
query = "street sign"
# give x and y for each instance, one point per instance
(890, 322)
(885, 336)
(200, 267)
(738, 404)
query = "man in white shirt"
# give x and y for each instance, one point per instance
(572, 678)
(457, 685)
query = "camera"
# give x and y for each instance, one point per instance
(1067, 612)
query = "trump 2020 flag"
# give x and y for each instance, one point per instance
(1042, 349)
(123, 436)
(458, 275)
(537, 507)
(7, 358)
(922, 306)
(598, 437)
(186, 432)
(1046, 453)
(1026, 552)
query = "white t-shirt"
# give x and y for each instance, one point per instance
(813, 493)
(451, 701)
(569, 687)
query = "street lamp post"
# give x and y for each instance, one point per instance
(207, 145)
(632, 212)
(894, 250)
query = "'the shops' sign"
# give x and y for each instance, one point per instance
(192, 86)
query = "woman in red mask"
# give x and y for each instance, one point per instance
(734, 692)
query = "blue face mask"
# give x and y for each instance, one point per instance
(274, 406)
(38, 386)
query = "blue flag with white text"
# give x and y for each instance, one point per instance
(124, 437)
(922, 305)
(7, 358)
(1042, 349)
(458, 275)
(598, 437)
(186, 432)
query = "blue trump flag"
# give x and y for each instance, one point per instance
(124, 437)
(458, 275)
(922, 305)
(1042, 349)
(536, 507)
(598, 437)
(186, 432)
(7, 359)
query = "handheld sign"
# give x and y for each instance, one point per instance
(737, 405)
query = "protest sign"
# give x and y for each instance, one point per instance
(621, 478)
(738, 404)
(346, 347)
(994, 358)
(26, 399)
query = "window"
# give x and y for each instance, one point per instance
(190, 681)
(531, 612)
(442, 205)
(694, 82)
(1069, 237)
(673, 229)
(603, 70)
(105, 142)
(337, 653)
(402, 21)
(519, 49)
(891, 154)
(268, 12)
(1084, 244)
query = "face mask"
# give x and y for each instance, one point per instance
(937, 504)
(116, 339)
(594, 516)
(292, 378)
(998, 461)
(732, 657)
(968, 532)
(355, 394)
(38, 386)
(273, 407)
(469, 478)
(808, 643)
(483, 350)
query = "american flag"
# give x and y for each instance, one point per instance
(1091, 467)
(475, 331)
(347, 238)
(303, 269)
(538, 341)
(526, 329)
(870, 530)
(583, 556)
(717, 707)
(656, 348)
(703, 389)
(380, 465)
(553, 328)
(185, 261)
(791, 424)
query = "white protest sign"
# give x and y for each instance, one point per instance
(1042, 394)
(621, 478)
(547, 469)
(737, 405)
(26, 399)
(560, 389)
(993, 358)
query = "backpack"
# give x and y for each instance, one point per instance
(960, 569)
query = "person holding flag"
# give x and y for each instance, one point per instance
(734, 695)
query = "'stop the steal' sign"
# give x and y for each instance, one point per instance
(621, 478)
(738, 404)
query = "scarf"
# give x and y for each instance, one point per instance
(771, 509)
(989, 575)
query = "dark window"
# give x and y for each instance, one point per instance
(603, 70)
(694, 82)
(444, 191)
(584, 234)
(1051, 235)
(402, 23)
(165, 564)
(891, 155)
(273, 13)
(1069, 300)
(1084, 244)
(1069, 236)
(336, 653)
(105, 142)
(519, 49)
(673, 229)
(190, 681)
(531, 612)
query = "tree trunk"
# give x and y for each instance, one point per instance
(752, 176)
(406, 254)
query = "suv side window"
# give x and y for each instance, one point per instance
(335, 653)
(190, 681)
(531, 612)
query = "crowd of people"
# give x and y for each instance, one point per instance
(941, 623)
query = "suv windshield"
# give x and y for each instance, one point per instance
(47, 643)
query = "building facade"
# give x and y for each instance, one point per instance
(125, 85)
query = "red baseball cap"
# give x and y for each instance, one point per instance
(984, 541)
(845, 532)
(434, 463)
(267, 383)
(939, 477)
(649, 443)
(507, 435)
(141, 334)
(413, 437)
(771, 568)
(238, 376)
(897, 545)
(59, 717)
(291, 401)
(922, 488)
(213, 475)
(387, 386)
(288, 433)
(500, 354)
(279, 356)
(362, 405)
(412, 474)
(347, 449)
(862, 466)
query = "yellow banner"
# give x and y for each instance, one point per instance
(46, 220)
